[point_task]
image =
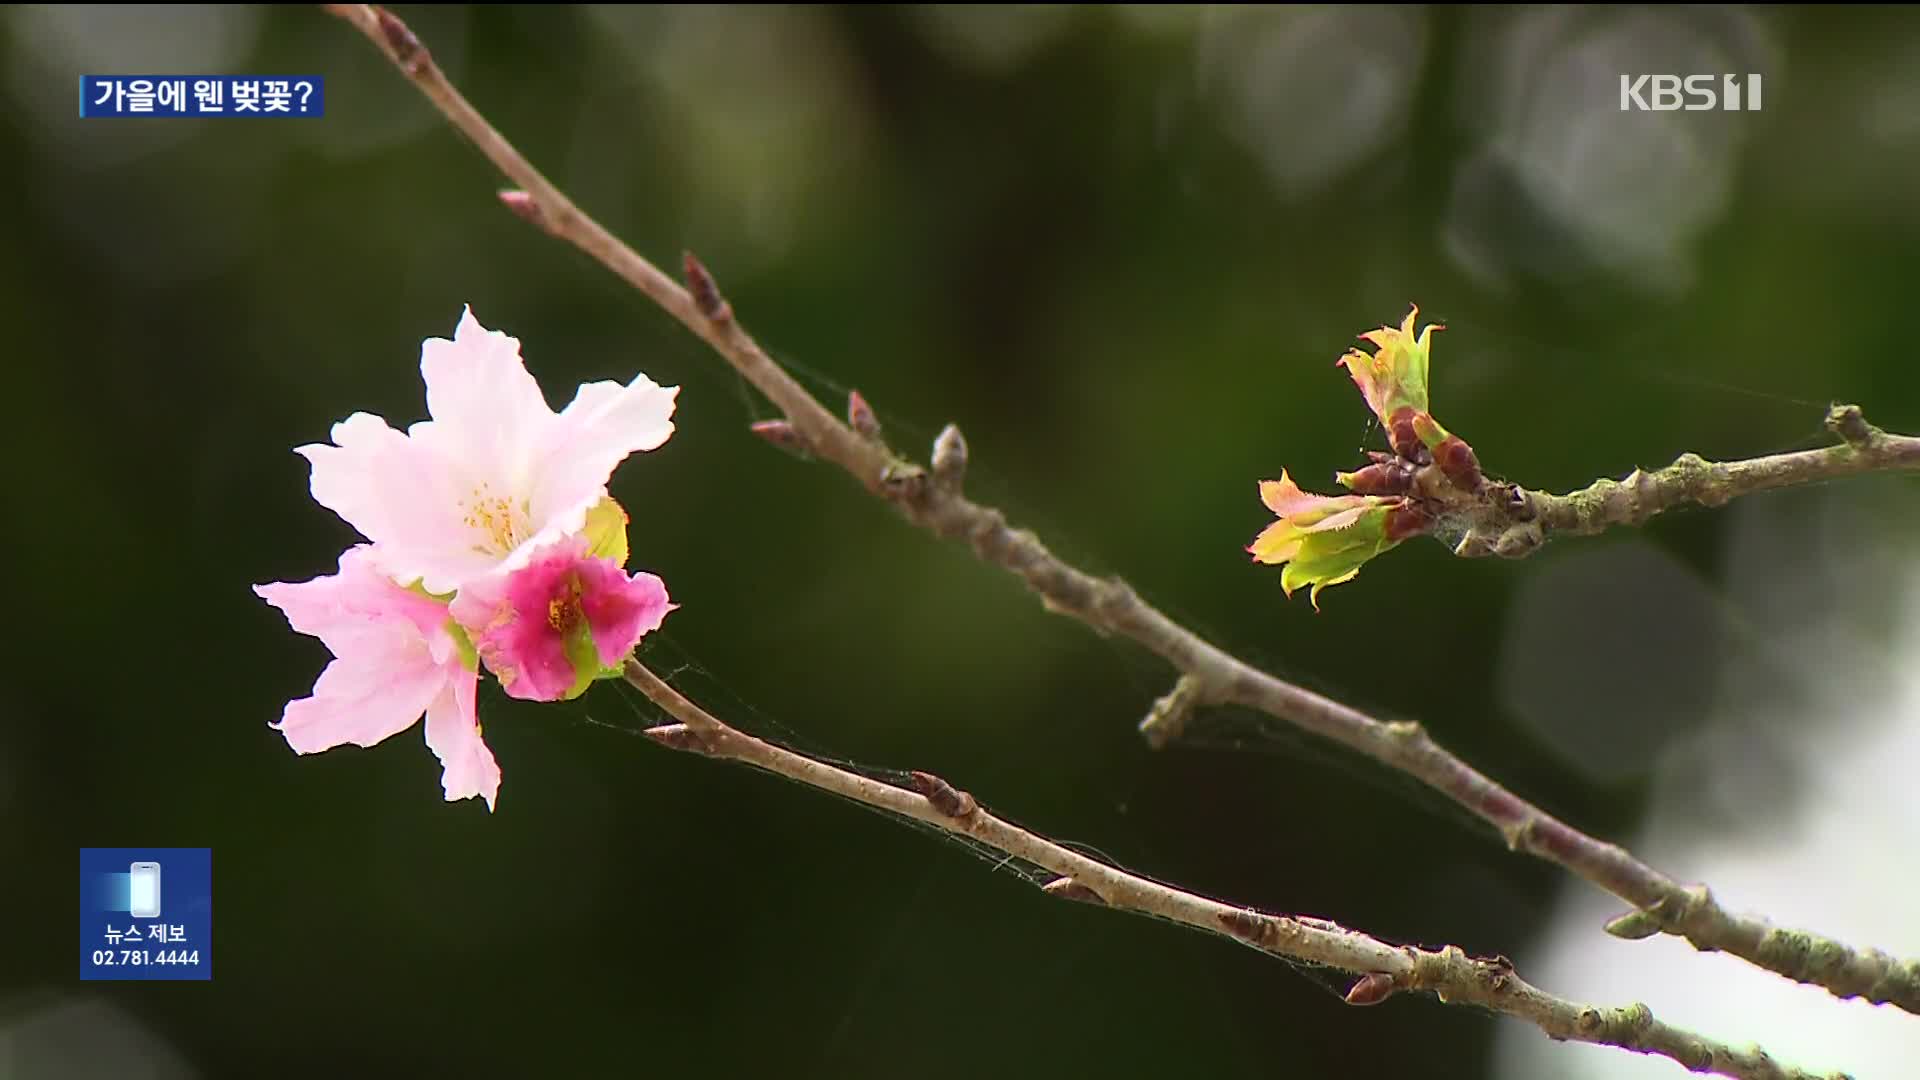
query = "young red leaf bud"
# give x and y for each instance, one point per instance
(679, 737)
(1456, 459)
(781, 434)
(1067, 888)
(523, 206)
(860, 415)
(1251, 927)
(946, 798)
(706, 293)
(1390, 478)
(407, 50)
(1371, 990)
(1402, 437)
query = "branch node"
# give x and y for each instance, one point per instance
(1371, 990)
(1071, 888)
(1589, 1022)
(950, 801)
(706, 294)
(1703, 481)
(1678, 914)
(1114, 599)
(1170, 713)
(1495, 971)
(1639, 1020)
(1516, 502)
(782, 434)
(1433, 970)
(861, 418)
(1520, 835)
(1474, 545)
(1519, 541)
(1406, 730)
(950, 457)
(1850, 424)
(903, 481)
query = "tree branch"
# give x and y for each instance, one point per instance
(1209, 675)
(1449, 973)
(1513, 522)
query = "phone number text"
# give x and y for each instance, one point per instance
(137, 957)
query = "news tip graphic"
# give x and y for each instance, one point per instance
(256, 97)
(146, 913)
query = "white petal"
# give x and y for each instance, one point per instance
(488, 413)
(373, 692)
(453, 733)
(400, 494)
(604, 423)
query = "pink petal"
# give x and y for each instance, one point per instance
(604, 424)
(393, 654)
(519, 618)
(376, 691)
(620, 609)
(401, 493)
(355, 599)
(488, 412)
(467, 767)
(509, 616)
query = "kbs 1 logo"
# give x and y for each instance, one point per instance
(1694, 93)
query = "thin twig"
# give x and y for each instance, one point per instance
(1449, 973)
(1210, 676)
(1513, 522)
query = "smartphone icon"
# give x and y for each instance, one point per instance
(144, 890)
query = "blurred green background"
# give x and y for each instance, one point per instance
(1122, 248)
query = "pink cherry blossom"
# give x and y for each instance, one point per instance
(548, 627)
(395, 656)
(493, 471)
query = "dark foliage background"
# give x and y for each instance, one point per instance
(1122, 248)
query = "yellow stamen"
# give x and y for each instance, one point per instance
(502, 525)
(563, 611)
